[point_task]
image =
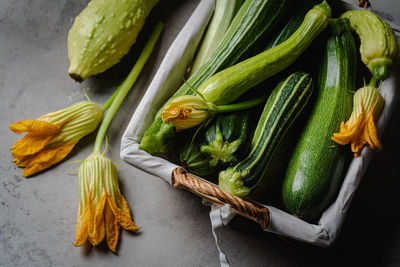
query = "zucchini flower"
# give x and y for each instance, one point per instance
(102, 207)
(360, 129)
(187, 111)
(52, 136)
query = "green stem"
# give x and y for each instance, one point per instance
(126, 85)
(111, 99)
(373, 81)
(242, 105)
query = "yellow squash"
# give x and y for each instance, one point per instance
(103, 33)
(379, 48)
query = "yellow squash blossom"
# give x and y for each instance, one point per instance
(102, 208)
(360, 129)
(52, 136)
(187, 111)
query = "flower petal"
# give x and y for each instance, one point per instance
(362, 132)
(98, 230)
(123, 217)
(371, 133)
(112, 228)
(89, 219)
(82, 226)
(175, 113)
(125, 207)
(357, 145)
(348, 133)
(46, 158)
(36, 127)
(28, 146)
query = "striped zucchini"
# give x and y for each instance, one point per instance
(254, 18)
(283, 106)
(316, 166)
(217, 146)
(294, 19)
(230, 83)
(224, 12)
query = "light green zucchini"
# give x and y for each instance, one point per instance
(228, 84)
(225, 11)
(254, 18)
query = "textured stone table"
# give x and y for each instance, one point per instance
(38, 215)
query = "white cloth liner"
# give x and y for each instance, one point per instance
(219, 216)
(165, 83)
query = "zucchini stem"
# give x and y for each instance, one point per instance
(242, 105)
(194, 90)
(111, 99)
(373, 81)
(116, 99)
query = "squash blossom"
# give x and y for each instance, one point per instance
(360, 129)
(187, 111)
(52, 136)
(102, 208)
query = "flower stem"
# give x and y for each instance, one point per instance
(111, 99)
(373, 81)
(242, 105)
(126, 85)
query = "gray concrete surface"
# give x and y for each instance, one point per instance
(38, 215)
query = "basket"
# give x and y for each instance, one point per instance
(271, 219)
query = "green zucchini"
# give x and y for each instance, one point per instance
(228, 84)
(316, 165)
(224, 13)
(254, 18)
(218, 145)
(283, 106)
(294, 19)
(285, 28)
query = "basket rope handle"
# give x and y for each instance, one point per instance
(364, 3)
(183, 180)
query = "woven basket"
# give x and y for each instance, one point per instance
(270, 218)
(253, 211)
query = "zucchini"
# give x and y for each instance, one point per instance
(254, 18)
(218, 145)
(294, 19)
(283, 106)
(316, 165)
(285, 28)
(228, 84)
(224, 12)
